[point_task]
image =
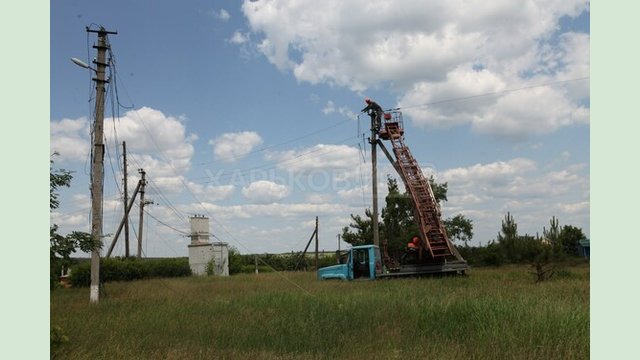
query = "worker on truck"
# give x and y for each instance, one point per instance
(375, 111)
(414, 244)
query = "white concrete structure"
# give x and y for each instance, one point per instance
(202, 253)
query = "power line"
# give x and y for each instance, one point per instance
(284, 142)
(297, 158)
(165, 224)
(489, 94)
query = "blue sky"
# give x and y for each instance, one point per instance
(247, 112)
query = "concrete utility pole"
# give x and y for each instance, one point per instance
(143, 182)
(126, 199)
(97, 162)
(374, 181)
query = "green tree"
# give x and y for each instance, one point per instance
(439, 190)
(61, 247)
(57, 178)
(509, 240)
(360, 230)
(459, 228)
(399, 224)
(235, 261)
(569, 238)
(552, 236)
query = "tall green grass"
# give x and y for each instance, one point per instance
(491, 314)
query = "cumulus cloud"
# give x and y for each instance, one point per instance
(493, 172)
(317, 157)
(156, 142)
(265, 192)
(278, 210)
(436, 50)
(212, 192)
(231, 147)
(160, 143)
(70, 139)
(512, 183)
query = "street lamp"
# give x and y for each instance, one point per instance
(81, 63)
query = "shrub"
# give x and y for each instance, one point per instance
(57, 339)
(127, 269)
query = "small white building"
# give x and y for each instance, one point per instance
(203, 254)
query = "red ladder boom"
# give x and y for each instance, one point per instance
(426, 209)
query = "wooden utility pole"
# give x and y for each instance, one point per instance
(316, 232)
(125, 218)
(338, 252)
(97, 161)
(143, 182)
(126, 199)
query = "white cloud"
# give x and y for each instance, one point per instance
(222, 14)
(318, 157)
(159, 143)
(534, 111)
(212, 192)
(156, 142)
(316, 198)
(581, 207)
(437, 50)
(238, 38)
(264, 192)
(70, 139)
(495, 172)
(230, 147)
(329, 108)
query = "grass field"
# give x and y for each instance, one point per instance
(490, 314)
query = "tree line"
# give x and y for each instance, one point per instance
(399, 226)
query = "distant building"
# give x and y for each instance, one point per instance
(204, 255)
(584, 248)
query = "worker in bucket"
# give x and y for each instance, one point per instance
(375, 111)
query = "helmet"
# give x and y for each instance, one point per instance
(367, 100)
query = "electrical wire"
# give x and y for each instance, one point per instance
(282, 143)
(437, 102)
(297, 158)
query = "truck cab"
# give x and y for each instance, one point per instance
(363, 262)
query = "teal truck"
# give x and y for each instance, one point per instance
(364, 262)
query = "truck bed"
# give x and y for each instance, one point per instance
(417, 270)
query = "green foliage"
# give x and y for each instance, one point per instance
(360, 230)
(211, 265)
(569, 239)
(399, 224)
(490, 255)
(439, 190)
(235, 261)
(61, 247)
(128, 269)
(57, 178)
(459, 228)
(57, 340)
(509, 240)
